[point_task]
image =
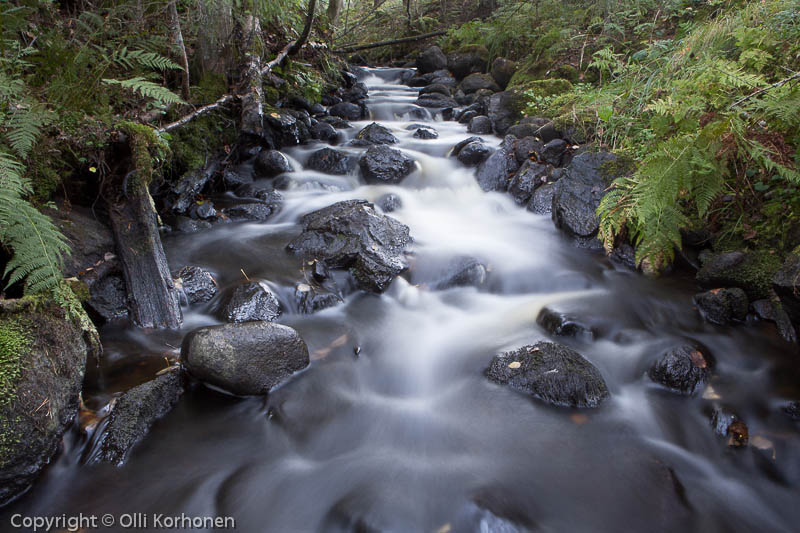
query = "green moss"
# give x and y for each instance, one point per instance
(271, 95)
(192, 144)
(568, 72)
(540, 88)
(15, 340)
(148, 149)
(753, 274)
(209, 88)
(475, 49)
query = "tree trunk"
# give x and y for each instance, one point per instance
(251, 88)
(177, 38)
(312, 6)
(153, 297)
(334, 9)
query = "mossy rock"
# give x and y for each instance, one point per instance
(568, 72)
(543, 88)
(192, 144)
(476, 50)
(42, 359)
(750, 271)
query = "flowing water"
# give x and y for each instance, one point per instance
(408, 435)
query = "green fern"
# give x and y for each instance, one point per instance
(148, 89)
(22, 126)
(128, 58)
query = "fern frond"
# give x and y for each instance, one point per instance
(22, 127)
(148, 89)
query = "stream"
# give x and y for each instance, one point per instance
(394, 427)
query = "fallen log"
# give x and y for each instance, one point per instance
(415, 38)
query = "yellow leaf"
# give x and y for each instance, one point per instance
(514, 364)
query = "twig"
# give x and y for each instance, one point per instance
(388, 43)
(784, 81)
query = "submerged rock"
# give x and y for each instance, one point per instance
(496, 172)
(249, 301)
(382, 164)
(552, 373)
(426, 133)
(197, 284)
(565, 324)
(462, 272)
(270, 163)
(390, 202)
(722, 306)
(245, 359)
(135, 412)
(353, 235)
(330, 161)
(43, 356)
(311, 298)
(681, 368)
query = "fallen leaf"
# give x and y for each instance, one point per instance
(697, 359)
(579, 419)
(447, 528)
(737, 434)
(514, 364)
(711, 394)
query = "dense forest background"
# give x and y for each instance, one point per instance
(701, 97)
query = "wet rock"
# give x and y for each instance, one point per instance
(324, 131)
(337, 122)
(473, 154)
(505, 109)
(786, 283)
(552, 373)
(466, 61)
(347, 111)
(375, 134)
(285, 128)
(459, 146)
(681, 368)
(270, 163)
(182, 196)
(722, 306)
(352, 235)
(245, 359)
(431, 60)
(577, 195)
(772, 310)
(189, 225)
(330, 161)
(443, 77)
(426, 133)
(355, 93)
(467, 116)
(751, 272)
(495, 173)
(197, 284)
(527, 148)
(792, 410)
(43, 358)
(382, 164)
(89, 239)
(232, 180)
(135, 412)
(623, 254)
(477, 81)
(311, 299)
(565, 324)
(251, 211)
(204, 210)
(108, 294)
(249, 301)
(435, 100)
(727, 424)
(480, 125)
(542, 200)
(436, 88)
(462, 272)
(545, 130)
(502, 70)
(553, 151)
(389, 202)
(529, 176)
(524, 130)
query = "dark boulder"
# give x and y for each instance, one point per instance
(436, 88)
(773, 311)
(553, 151)
(43, 356)
(337, 122)
(462, 272)
(108, 293)
(382, 164)
(135, 412)
(786, 283)
(232, 179)
(324, 131)
(751, 271)
(189, 225)
(270, 163)
(203, 210)
(682, 369)
(248, 301)
(355, 93)
(524, 130)
(505, 109)
(353, 235)
(460, 145)
(389, 202)
(473, 154)
(792, 410)
(722, 306)
(529, 176)
(431, 60)
(435, 100)
(565, 324)
(527, 148)
(480, 125)
(552, 373)
(496, 172)
(477, 81)
(577, 195)
(182, 195)
(502, 70)
(347, 111)
(375, 134)
(467, 60)
(426, 133)
(245, 359)
(542, 200)
(313, 298)
(467, 115)
(251, 211)
(331, 161)
(197, 284)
